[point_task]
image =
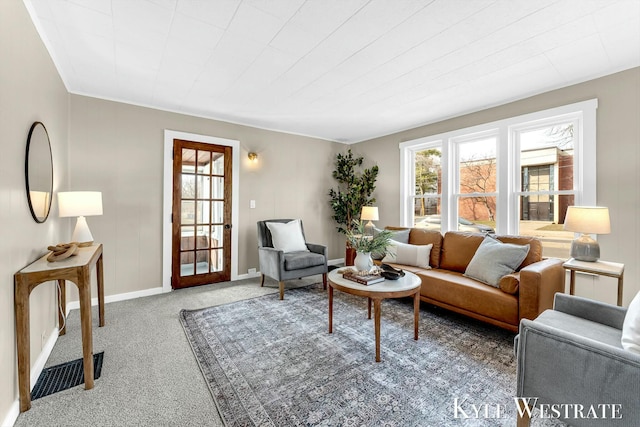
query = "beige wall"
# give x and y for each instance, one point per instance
(618, 165)
(118, 149)
(30, 90)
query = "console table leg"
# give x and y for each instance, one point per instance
(87, 339)
(21, 303)
(99, 271)
(62, 312)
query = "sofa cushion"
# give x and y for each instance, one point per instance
(412, 255)
(300, 260)
(457, 250)
(421, 236)
(510, 283)
(456, 290)
(535, 248)
(397, 234)
(494, 259)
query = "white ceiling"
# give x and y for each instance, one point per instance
(343, 70)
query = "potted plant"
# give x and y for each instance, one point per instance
(354, 191)
(366, 245)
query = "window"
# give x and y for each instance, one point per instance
(514, 176)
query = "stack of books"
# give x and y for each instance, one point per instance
(368, 279)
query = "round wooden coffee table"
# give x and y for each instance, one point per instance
(409, 285)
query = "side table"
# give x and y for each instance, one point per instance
(76, 269)
(602, 268)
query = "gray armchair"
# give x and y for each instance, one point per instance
(572, 355)
(283, 266)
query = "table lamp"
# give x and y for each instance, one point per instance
(80, 204)
(369, 213)
(587, 220)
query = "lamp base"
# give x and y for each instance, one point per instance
(369, 229)
(584, 248)
(81, 233)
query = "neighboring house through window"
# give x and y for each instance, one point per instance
(516, 175)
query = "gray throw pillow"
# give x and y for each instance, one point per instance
(401, 236)
(495, 259)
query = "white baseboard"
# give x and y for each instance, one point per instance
(75, 305)
(337, 261)
(12, 415)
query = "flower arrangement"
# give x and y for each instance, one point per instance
(357, 239)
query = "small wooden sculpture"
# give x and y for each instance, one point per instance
(64, 250)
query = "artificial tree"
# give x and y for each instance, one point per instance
(355, 187)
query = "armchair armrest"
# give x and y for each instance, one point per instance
(595, 311)
(318, 249)
(539, 282)
(554, 364)
(271, 261)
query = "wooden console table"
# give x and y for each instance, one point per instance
(76, 269)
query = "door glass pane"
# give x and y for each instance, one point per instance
(216, 260)
(217, 184)
(186, 238)
(204, 184)
(202, 239)
(188, 186)
(188, 160)
(202, 213)
(216, 236)
(186, 263)
(217, 209)
(188, 212)
(204, 162)
(202, 262)
(217, 168)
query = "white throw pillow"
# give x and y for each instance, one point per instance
(631, 326)
(287, 237)
(404, 253)
(494, 259)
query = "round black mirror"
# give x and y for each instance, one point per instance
(38, 172)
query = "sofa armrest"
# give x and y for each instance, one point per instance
(271, 262)
(539, 282)
(595, 311)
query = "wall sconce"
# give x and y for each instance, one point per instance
(253, 157)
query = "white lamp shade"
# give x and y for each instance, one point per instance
(369, 213)
(588, 220)
(79, 203)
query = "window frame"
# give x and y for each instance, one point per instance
(508, 170)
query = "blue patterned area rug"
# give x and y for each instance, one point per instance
(273, 363)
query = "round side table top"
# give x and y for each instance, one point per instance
(408, 282)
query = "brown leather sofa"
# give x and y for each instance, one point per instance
(523, 294)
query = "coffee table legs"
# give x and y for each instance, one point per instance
(376, 316)
(330, 308)
(416, 314)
